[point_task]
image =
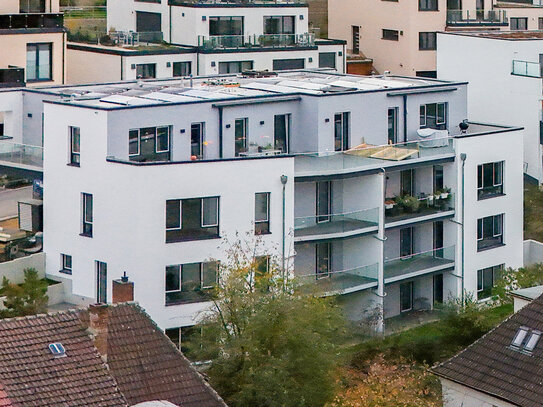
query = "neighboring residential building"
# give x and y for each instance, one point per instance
(502, 369)
(32, 42)
(155, 176)
(524, 296)
(512, 93)
(106, 356)
(203, 37)
(400, 36)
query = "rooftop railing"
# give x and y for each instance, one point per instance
(477, 17)
(336, 282)
(252, 41)
(235, 2)
(27, 21)
(419, 263)
(525, 68)
(12, 77)
(24, 154)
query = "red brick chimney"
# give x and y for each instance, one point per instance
(98, 327)
(123, 290)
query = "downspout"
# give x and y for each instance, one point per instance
(122, 68)
(284, 180)
(64, 57)
(381, 270)
(463, 157)
(170, 17)
(220, 131)
(404, 118)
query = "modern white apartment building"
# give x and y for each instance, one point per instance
(365, 186)
(400, 35)
(512, 93)
(203, 37)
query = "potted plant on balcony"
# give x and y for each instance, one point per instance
(391, 206)
(411, 204)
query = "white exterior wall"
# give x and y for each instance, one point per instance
(500, 98)
(129, 210)
(457, 395)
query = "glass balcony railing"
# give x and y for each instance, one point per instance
(308, 226)
(407, 207)
(525, 68)
(419, 263)
(237, 2)
(12, 77)
(476, 17)
(21, 154)
(26, 21)
(370, 157)
(256, 41)
(336, 282)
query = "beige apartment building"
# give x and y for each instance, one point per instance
(32, 43)
(400, 35)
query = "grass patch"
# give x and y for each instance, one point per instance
(533, 213)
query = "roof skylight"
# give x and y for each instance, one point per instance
(526, 339)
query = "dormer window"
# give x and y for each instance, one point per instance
(526, 339)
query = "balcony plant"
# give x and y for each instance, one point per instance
(410, 204)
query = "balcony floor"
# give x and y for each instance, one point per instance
(334, 227)
(422, 212)
(338, 283)
(414, 266)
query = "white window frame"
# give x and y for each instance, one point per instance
(84, 196)
(166, 291)
(167, 139)
(72, 152)
(64, 267)
(202, 286)
(137, 143)
(267, 207)
(202, 200)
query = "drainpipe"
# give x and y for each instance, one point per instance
(463, 157)
(220, 130)
(284, 180)
(381, 271)
(404, 118)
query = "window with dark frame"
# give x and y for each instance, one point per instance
(66, 263)
(327, 60)
(197, 131)
(87, 216)
(285, 64)
(149, 144)
(75, 146)
(261, 265)
(391, 35)
(324, 201)
(428, 5)
(490, 232)
(518, 23)
(226, 25)
(262, 213)
(434, 116)
(182, 68)
(323, 262)
(192, 219)
(39, 62)
(279, 24)
(490, 180)
(406, 297)
(146, 71)
(241, 129)
(235, 67)
(31, 6)
(486, 280)
(190, 282)
(427, 41)
(341, 131)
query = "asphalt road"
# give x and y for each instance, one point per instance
(9, 199)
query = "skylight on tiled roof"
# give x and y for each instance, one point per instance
(526, 339)
(57, 350)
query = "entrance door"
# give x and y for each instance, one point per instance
(406, 297)
(438, 239)
(406, 242)
(197, 141)
(480, 6)
(438, 289)
(101, 282)
(324, 201)
(407, 182)
(393, 125)
(323, 253)
(281, 132)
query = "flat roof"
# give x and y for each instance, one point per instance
(142, 49)
(530, 293)
(500, 35)
(228, 87)
(509, 4)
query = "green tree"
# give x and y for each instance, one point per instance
(512, 279)
(269, 345)
(28, 298)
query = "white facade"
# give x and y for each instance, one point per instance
(372, 257)
(512, 94)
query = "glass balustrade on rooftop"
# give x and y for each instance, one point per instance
(21, 154)
(525, 68)
(256, 41)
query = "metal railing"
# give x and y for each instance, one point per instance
(12, 77)
(25, 21)
(21, 154)
(85, 12)
(525, 68)
(256, 40)
(333, 282)
(476, 17)
(339, 222)
(417, 262)
(236, 2)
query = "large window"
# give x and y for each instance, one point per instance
(489, 232)
(324, 201)
(225, 25)
(192, 219)
(145, 71)
(262, 213)
(281, 132)
(241, 129)
(284, 64)
(87, 216)
(406, 297)
(182, 68)
(235, 66)
(519, 23)
(341, 131)
(148, 22)
(391, 35)
(31, 6)
(327, 60)
(434, 116)
(197, 131)
(323, 252)
(189, 282)
(39, 62)
(393, 125)
(279, 25)
(427, 41)
(486, 279)
(75, 147)
(149, 144)
(489, 180)
(428, 5)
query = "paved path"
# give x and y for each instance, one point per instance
(9, 199)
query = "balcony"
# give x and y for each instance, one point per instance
(236, 3)
(256, 41)
(477, 18)
(371, 157)
(12, 77)
(342, 281)
(401, 210)
(339, 225)
(21, 155)
(418, 264)
(29, 21)
(525, 68)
